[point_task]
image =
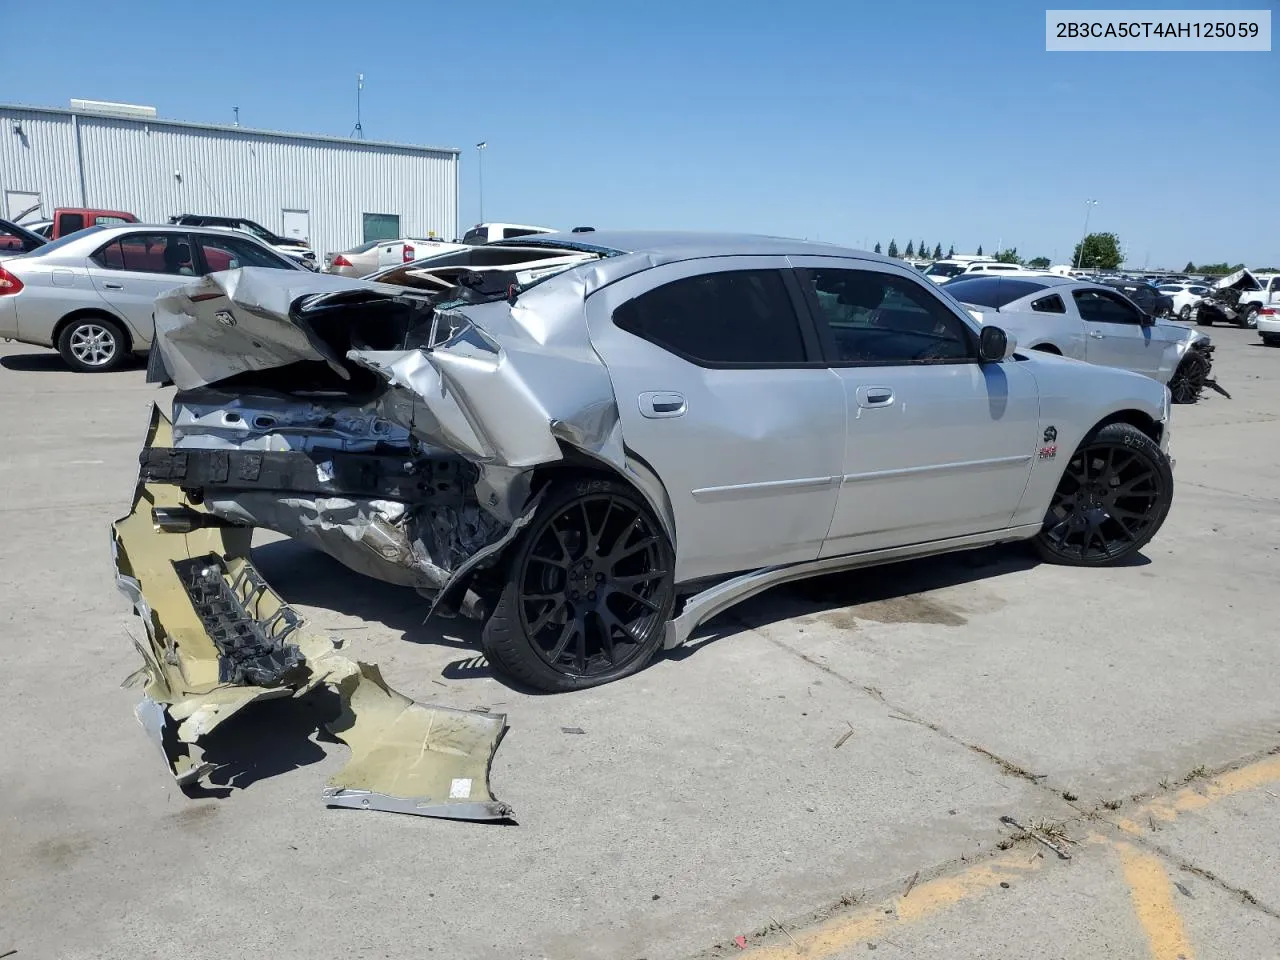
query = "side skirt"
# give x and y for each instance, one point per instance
(701, 607)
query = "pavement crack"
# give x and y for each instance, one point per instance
(900, 712)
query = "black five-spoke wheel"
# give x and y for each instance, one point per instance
(1113, 496)
(588, 592)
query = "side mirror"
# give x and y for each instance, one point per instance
(1148, 320)
(995, 345)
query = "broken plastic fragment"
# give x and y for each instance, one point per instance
(219, 639)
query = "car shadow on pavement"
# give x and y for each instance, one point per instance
(281, 735)
(52, 363)
(305, 576)
(893, 593)
(34, 363)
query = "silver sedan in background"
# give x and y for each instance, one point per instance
(1090, 322)
(90, 295)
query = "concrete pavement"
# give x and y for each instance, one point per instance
(707, 798)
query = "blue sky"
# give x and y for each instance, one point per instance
(846, 122)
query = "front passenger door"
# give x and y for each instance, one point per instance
(937, 444)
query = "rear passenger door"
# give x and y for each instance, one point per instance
(723, 393)
(937, 445)
(133, 269)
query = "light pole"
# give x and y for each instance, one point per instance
(480, 162)
(1088, 209)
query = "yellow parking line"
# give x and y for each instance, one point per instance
(924, 900)
(1150, 886)
(1199, 796)
(1152, 894)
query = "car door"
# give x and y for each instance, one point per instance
(936, 445)
(722, 392)
(1116, 336)
(133, 268)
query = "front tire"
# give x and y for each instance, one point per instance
(92, 345)
(1111, 500)
(1185, 313)
(588, 590)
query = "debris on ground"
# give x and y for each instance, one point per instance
(218, 639)
(575, 730)
(740, 942)
(849, 733)
(1041, 832)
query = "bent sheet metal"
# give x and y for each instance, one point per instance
(219, 639)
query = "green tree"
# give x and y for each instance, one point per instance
(877, 246)
(1008, 256)
(979, 249)
(1189, 267)
(893, 248)
(937, 251)
(922, 251)
(911, 250)
(1098, 250)
(1038, 263)
(951, 251)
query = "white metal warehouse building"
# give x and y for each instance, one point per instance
(332, 192)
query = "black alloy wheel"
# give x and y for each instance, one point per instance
(1112, 499)
(1188, 381)
(589, 591)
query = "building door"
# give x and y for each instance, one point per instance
(19, 204)
(297, 225)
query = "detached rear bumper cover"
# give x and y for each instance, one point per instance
(218, 638)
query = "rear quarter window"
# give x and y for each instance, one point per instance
(994, 292)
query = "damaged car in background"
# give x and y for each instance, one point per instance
(1094, 323)
(592, 444)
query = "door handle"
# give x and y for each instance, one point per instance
(874, 396)
(658, 405)
(114, 286)
(1097, 335)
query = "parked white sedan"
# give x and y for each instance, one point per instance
(1186, 297)
(380, 254)
(1090, 322)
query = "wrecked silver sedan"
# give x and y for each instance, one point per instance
(595, 442)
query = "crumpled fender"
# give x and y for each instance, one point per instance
(218, 639)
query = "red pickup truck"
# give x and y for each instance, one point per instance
(70, 219)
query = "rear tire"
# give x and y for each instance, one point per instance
(1250, 317)
(1113, 497)
(1271, 339)
(1185, 313)
(93, 344)
(588, 590)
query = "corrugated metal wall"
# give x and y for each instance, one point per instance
(156, 170)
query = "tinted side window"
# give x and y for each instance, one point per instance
(511, 232)
(1050, 304)
(1096, 306)
(230, 253)
(70, 222)
(148, 253)
(879, 318)
(740, 317)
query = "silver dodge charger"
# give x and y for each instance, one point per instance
(600, 443)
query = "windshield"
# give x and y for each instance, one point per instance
(944, 270)
(262, 233)
(990, 291)
(63, 241)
